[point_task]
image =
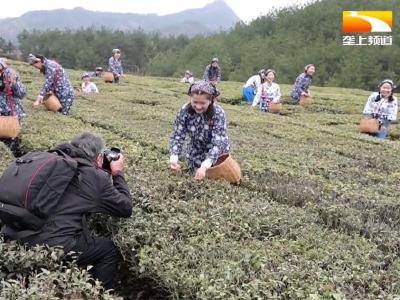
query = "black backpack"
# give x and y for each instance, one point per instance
(32, 186)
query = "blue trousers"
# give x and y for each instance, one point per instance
(248, 94)
(383, 130)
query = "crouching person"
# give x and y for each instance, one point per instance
(11, 92)
(382, 106)
(91, 190)
(204, 122)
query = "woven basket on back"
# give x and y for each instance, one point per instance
(52, 103)
(9, 127)
(226, 168)
(305, 100)
(108, 77)
(275, 107)
(369, 125)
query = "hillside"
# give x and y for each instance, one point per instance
(315, 217)
(211, 18)
(285, 40)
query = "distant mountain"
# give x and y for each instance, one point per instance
(211, 18)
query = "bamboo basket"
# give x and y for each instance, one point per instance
(369, 126)
(9, 127)
(108, 77)
(275, 107)
(52, 103)
(305, 101)
(226, 169)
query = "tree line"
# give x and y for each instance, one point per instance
(284, 40)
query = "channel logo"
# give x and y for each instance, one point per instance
(367, 21)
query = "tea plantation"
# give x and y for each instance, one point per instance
(316, 215)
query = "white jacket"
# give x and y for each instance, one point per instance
(383, 109)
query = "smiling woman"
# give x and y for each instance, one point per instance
(205, 123)
(381, 109)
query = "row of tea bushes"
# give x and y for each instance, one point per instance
(212, 240)
(297, 226)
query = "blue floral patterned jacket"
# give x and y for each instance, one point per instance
(17, 91)
(115, 66)
(208, 137)
(212, 74)
(300, 86)
(56, 81)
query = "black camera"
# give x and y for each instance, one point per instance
(110, 155)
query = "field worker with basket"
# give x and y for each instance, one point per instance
(11, 112)
(115, 65)
(251, 86)
(205, 123)
(302, 83)
(212, 72)
(380, 110)
(56, 84)
(268, 93)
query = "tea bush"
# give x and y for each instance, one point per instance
(40, 273)
(315, 216)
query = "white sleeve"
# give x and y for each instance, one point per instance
(257, 81)
(173, 159)
(207, 163)
(393, 114)
(257, 97)
(368, 109)
(249, 82)
(277, 95)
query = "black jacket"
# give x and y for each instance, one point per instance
(92, 190)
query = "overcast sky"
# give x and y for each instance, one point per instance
(245, 9)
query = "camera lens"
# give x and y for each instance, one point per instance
(115, 149)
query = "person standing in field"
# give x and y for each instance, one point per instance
(212, 72)
(115, 65)
(56, 82)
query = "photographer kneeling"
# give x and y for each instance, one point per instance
(91, 190)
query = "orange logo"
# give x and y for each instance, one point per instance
(367, 21)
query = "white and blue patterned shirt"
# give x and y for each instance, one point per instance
(269, 92)
(382, 109)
